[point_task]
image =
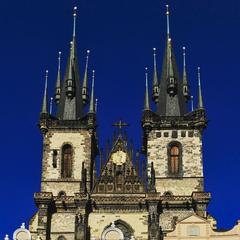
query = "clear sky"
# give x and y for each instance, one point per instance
(121, 35)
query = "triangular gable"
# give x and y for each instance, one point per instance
(193, 218)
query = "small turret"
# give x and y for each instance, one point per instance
(58, 83)
(85, 93)
(92, 101)
(45, 97)
(155, 85)
(200, 98)
(186, 88)
(146, 100)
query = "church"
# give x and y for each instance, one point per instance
(154, 193)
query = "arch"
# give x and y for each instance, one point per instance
(174, 158)
(67, 161)
(112, 231)
(61, 237)
(122, 227)
(61, 194)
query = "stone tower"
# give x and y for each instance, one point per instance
(69, 150)
(125, 201)
(172, 141)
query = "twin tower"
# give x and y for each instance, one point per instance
(127, 199)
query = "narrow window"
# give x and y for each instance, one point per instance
(54, 158)
(67, 154)
(174, 156)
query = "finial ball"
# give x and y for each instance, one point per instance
(154, 49)
(88, 51)
(75, 8)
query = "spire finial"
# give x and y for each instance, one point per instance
(51, 105)
(44, 106)
(58, 83)
(85, 95)
(154, 57)
(155, 85)
(146, 102)
(184, 56)
(74, 20)
(92, 101)
(200, 98)
(59, 60)
(46, 79)
(168, 20)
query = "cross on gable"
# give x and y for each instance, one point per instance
(120, 125)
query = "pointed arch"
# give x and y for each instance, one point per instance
(67, 161)
(174, 158)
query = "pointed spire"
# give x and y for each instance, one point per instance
(85, 95)
(186, 90)
(155, 85)
(58, 82)
(171, 101)
(168, 20)
(200, 98)
(45, 98)
(92, 101)
(51, 105)
(74, 21)
(70, 105)
(146, 102)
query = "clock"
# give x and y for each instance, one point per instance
(119, 157)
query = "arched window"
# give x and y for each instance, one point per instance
(67, 160)
(61, 238)
(174, 158)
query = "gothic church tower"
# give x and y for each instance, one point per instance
(123, 202)
(69, 150)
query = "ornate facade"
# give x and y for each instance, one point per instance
(132, 194)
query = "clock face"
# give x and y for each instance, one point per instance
(119, 157)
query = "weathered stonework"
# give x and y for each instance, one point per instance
(80, 141)
(192, 167)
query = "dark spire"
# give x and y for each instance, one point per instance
(58, 82)
(70, 106)
(85, 94)
(45, 97)
(155, 85)
(171, 100)
(92, 101)
(146, 100)
(186, 88)
(200, 98)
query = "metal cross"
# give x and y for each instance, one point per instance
(120, 125)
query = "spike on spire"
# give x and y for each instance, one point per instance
(168, 20)
(186, 90)
(146, 102)
(74, 21)
(58, 82)
(155, 86)
(200, 98)
(92, 101)
(45, 98)
(85, 95)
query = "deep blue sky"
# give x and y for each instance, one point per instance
(121, 35)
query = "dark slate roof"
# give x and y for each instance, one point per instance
(71, 108)
(167, 105)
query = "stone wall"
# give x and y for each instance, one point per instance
(192, 166)
(138, 222)
(80, 140)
